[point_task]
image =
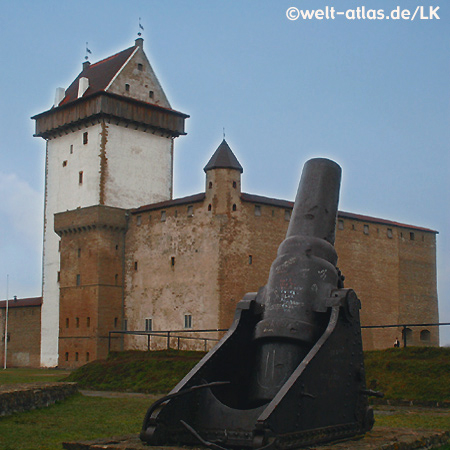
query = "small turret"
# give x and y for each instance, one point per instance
(223, 180)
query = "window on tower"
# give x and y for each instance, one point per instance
(80, 177)
(85, 137)
(140, 67)
(151, 94)
(127, 87)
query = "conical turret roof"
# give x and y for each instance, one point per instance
(223, 158)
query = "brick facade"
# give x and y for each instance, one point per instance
(197, 256)
(182, 264)
(91, 281)
(24, 332)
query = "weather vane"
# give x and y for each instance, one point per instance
(87, 52)
(224, 132)
(140, 28)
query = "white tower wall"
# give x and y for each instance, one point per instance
(67, 156)
(121, 167)
(138, 168)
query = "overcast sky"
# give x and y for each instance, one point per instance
(371, 94)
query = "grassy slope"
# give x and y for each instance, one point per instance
(419, 374)
(149, 372)
(416, 373)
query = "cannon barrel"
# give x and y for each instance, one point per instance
(290, 371)
(302, 275)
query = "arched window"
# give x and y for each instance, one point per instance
(425, 336)
(407, 332)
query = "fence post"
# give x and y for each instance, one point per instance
(148, 342)
(168, 340)
(109, 342)
(404, 336)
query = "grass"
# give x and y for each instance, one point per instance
(13, 376)
(85, 418)
(133, 371)
(77, 418)
(416, 418)
(420, 374)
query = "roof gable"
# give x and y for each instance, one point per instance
(138, 75)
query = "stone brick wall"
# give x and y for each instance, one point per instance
(187, 263)
(23, 397)
(24, 334)
(171, 271)
(239, 235)
(91, 281)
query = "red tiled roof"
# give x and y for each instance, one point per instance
(21, 302)
(178, 201)
(99, 74)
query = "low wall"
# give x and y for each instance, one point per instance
(23, 397)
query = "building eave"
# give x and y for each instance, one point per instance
(257, 199)
(114, 108)
(196, 198)
(21, 302)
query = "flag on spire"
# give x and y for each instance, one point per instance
(140, 27)
(87, 51)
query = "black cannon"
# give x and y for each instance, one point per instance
(289, 372)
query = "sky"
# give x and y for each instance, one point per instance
(373, 95)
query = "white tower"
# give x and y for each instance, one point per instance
(109, 142)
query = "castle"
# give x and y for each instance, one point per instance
(120, 253)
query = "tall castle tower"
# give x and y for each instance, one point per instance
(109, 143)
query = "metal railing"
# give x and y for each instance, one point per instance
(169, 335)
(405, 327)
(179, 335)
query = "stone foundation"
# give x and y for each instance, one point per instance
(23, 397)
